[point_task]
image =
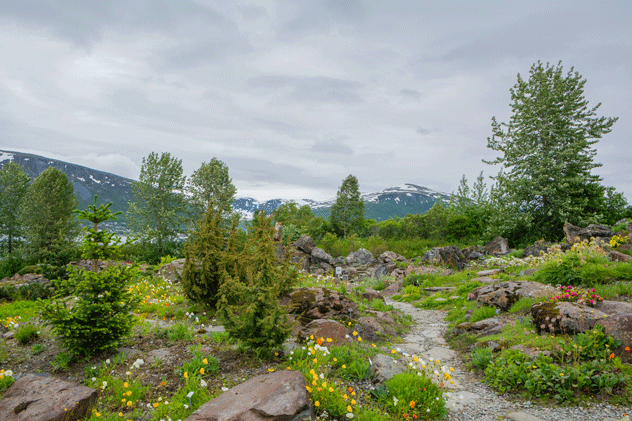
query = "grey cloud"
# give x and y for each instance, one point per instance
(315, 89)
(253, 11)
(265, 171)
(423, 131)
(410, 93)
(320, 16)
(207, 51)
(83, 22)
(332, 147)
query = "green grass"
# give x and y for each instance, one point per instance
(482, 313)
(26, 310)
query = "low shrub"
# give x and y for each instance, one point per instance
(6, 379)
(412, 394)
(480, 358)
(482, 313)
(26, 333)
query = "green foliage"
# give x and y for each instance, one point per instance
(62, 360)
(11, 265)
(210, 185)
(482, 313)
(414, 394)
(38, 349)
(533, 378)
(159, 211)
(347, 213)
(26, 333)
(179, 332)
(547, 153)
(200, 366)
(98, 244)
(480, 358)
(48, 225)
(249, 308)
(13, 187)
(5, 382)
(30, 269)
(210, 256)
(103, 312)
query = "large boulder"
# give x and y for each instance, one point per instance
(503, 295)
(564, 317)
(172, 271)
(575, 234)
(362, 257)
(36, 398)
(319, 303)
(279, 396)
(383, 367)
(474, 252)
(537, 248)
(305, 243)
(319, 255)
(446, 256)
(497, 247)
(620, 328)
(326, 329)
(392, 289)
(389, 256)
(617, 256)
(613, 308)
(370, 329)
(485, 327)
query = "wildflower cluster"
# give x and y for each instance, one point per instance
(6, 379)
(616, 241)
(11, 322)
(569, 293)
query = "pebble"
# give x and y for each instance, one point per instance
(471, 400)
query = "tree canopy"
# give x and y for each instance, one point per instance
(46, 214)
(159, 211)
(347, 213)
(546, 152)
(14, 184)
(211, 185)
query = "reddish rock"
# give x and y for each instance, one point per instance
(319, 303)
(278, 396)
(36, 398)
(617, 256)
(497, 247)
(370, 329)
(371, 294)
(392, 289)
(326, 329)
(620, 328)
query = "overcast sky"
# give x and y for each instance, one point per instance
(294, 96)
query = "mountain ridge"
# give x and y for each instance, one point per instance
(393, 201)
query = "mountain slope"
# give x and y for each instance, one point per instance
(86, 181)
(394, 201)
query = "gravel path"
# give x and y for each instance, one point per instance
(471, 400)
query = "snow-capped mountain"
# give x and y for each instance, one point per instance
(393, 201)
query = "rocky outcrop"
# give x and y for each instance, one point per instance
(574, 234)
(392, 289)
(447, 256)
(172, 271)
(326, 329)
(497, 247)
(362, 257)
(319, 255)
(474, 252)
(319, 303)
(36, 398)
(536, 249)
(370, 329)
(564, 317)
(620, 328)
(279, 396)
(384, 367)
(18, 280)
(617, 256)
(278, 232)
(305, 243)
(503, 295)
(485, 327)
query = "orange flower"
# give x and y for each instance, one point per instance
(412, 404)
(319, 341)
(627, 348)
(611, 356)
